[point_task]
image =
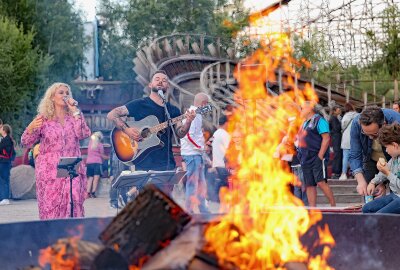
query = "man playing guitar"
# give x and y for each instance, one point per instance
(160, 159)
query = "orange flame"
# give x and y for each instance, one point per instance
(268, 235)
(63, 255)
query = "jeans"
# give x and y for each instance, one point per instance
(300, 192)
(337, 156)
(345, 162)
(389, 204)
(196, 187)
(214, 184)
(5, 168)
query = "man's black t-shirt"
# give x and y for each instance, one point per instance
(159, 159)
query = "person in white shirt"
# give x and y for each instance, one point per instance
(192, 148)
(221, 140)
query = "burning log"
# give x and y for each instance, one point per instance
(69, 253)
(295, 266)
(109, 259)
(145, 226)
(189, 251)
(182, 252)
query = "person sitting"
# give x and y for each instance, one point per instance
(389, 137)
(396, 106)
(365, 149)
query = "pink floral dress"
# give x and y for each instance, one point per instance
(57, 140)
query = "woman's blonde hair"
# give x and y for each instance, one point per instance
(96, 138)
(46, 105)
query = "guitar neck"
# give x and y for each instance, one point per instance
(164, 125)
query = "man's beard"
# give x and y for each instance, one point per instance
(155, 89)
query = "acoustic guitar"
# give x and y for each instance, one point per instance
(132, 152)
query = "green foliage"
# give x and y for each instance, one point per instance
(41, 41)
(137, 22)
(388, 42)
(58, 32)
(21, 69)
(323, 67)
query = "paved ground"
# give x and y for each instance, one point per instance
(27, 210)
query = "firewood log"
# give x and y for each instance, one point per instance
(69, 253)
(145, 226)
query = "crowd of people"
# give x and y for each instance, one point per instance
(361, 144)
(364, 144)
(195, 150)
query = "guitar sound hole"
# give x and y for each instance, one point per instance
(145, 133)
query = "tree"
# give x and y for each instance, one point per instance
(58, 32)
(388, 41)
(323, 67)
(21, 69)
(134, 23)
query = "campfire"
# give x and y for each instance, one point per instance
(263, 226)
(264, 222)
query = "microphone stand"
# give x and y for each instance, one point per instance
(70, 167)
(72, 174)
(168, 116)
(167, 113)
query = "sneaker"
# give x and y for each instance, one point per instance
(130, 196)
(93, 195)
(121, 202)
(334, 176)
(5, 202)
(114, 206)
(343, 177)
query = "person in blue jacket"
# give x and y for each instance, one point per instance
(365, 149)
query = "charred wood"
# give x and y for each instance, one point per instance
(70, 253)
(145, 225)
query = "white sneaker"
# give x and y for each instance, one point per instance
(5, 202)
(343, 177)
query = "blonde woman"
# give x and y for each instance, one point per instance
(94, 161)
(58, 127)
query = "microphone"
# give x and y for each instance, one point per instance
(161, 94)
(66, 98)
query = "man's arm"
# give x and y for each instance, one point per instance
(181, 129)
(116, 115)
(324, 145)
(356, 157)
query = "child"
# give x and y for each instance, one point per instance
(389, 137)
